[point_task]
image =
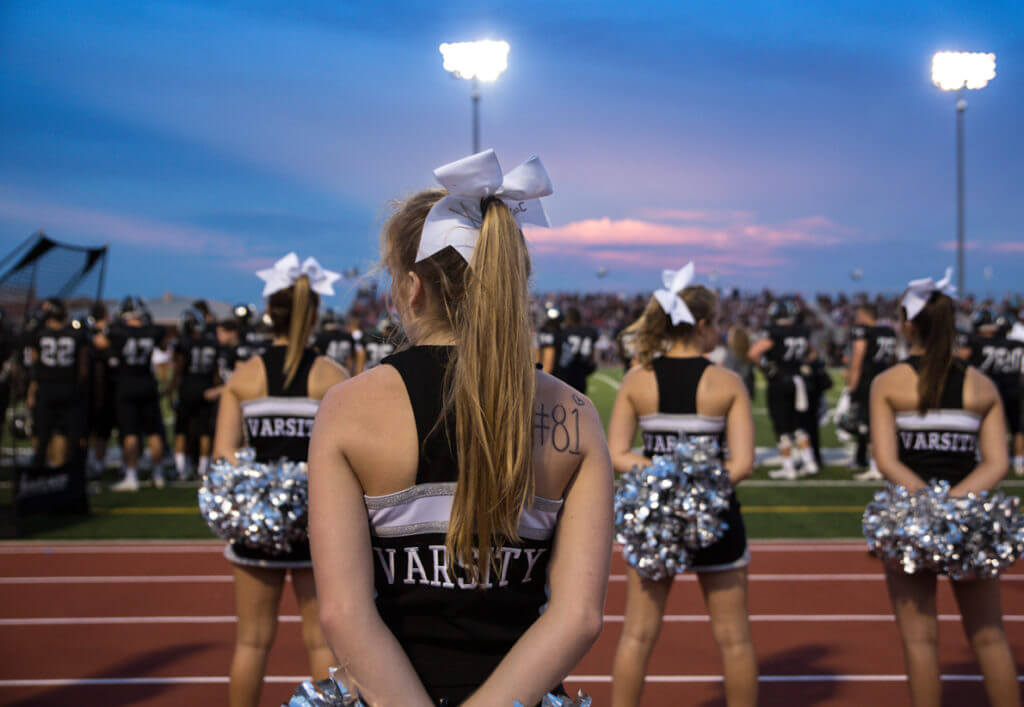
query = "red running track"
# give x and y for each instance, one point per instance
(152, 624)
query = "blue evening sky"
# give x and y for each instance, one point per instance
(777, 144)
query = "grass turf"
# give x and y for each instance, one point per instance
(784, 511)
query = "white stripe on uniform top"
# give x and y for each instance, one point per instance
(689, 424)
(295, 407)
(958, 420)
(426, 508)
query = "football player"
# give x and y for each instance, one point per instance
(1001, 359)
(379, 343)
(137, 400)
(575, 351)
(195, 373)
(784, 349)
(872, 351)
(102, 415)
(57, 388)
(338, 343)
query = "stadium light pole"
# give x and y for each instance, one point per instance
(483, 60)
(960, 71)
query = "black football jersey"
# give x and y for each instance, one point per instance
(133, 348)
(881, 348)
(575, 353)
(338, 345)
(58, 352)
(199, 360)
(791, 345)
(377, 348)
(250, 343)
(1000, 359)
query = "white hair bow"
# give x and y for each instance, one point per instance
(669, 299)
(287, 270)
(455, 220)
(918, 292)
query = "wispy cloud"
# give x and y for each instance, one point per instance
(1002, 247)
(1009, 247)
(34, 211)
(725, 240)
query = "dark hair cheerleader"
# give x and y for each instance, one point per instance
(934, 418)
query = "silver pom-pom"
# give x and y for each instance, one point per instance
(335, 691)
(667, 511)
(262, 506)
(582, 699)
(976, 536)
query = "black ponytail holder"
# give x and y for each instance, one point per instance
(485, 204)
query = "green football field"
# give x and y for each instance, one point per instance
(826, 506)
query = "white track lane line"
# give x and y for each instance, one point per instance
(608, 618)
(616, 578)
(296, 679)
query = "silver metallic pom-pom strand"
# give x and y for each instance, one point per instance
(667, 511)
(261, 506)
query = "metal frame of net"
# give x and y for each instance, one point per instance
(41, 267)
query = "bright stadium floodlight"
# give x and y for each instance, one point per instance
(952, 71)
(960, 71)
(476, 61)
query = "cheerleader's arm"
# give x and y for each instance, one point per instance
(577, 579)
(981, 392)
(622, 427)
(883, 437)
(340, 542)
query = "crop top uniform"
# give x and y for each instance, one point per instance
(277, 427)
(454, 629)
(942, 444)
(677, 419)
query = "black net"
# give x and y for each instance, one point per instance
(43, 267)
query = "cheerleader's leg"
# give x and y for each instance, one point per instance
(645, 607)
(321, 658)
(725, 595)
(257, 598)
(913, 603)
(982, 614)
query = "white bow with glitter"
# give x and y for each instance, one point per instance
(287, 270)
(918, 292)
(455, 220)
(669, 299)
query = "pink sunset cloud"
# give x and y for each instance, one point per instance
(1004, 247)
(1009, 247)
(725, 240)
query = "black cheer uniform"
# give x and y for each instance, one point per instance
(194, 416)
(1001, 360)
(454, 630)
(941, 444)
(137, 401)
(786, 392)
(278, 427)
(61, 404)
(677, 419)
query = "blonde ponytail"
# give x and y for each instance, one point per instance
(293, 314)
(489, 383)
(492, 388)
